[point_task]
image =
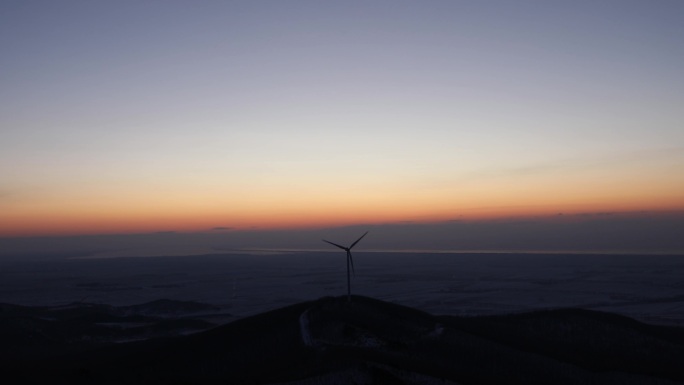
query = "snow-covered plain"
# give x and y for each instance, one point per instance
(647, 287)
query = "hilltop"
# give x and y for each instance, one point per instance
(367, 341)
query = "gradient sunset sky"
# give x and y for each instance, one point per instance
(148, 116)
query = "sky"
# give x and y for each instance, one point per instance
(149, 117)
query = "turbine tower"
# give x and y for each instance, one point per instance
(350, 261)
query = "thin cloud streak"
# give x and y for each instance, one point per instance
(640, 232)
(607, 162)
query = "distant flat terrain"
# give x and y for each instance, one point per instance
(649, 288)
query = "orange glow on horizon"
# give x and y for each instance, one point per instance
(92, 223)
(77, 212)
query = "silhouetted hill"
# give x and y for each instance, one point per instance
(53, 330)
(367, 341)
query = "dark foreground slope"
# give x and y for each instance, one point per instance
(331, 341)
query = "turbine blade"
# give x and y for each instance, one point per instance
(335, 244)
(351, 261)
(357, 241)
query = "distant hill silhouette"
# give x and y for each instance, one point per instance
(367, 341)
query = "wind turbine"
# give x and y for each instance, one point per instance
(350, 261)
